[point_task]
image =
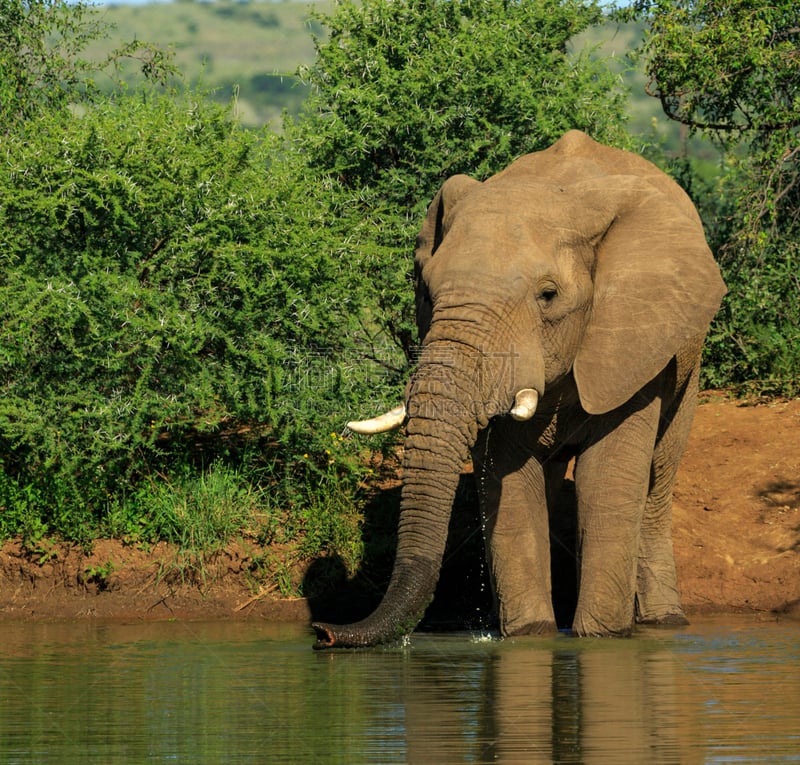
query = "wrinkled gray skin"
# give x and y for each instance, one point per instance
(580, 272)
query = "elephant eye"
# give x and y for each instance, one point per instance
(547, 295)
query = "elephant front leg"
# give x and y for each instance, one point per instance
(514, 509)
(612, 477)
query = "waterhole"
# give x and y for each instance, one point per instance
(94, 692)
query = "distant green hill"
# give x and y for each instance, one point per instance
(254, 47)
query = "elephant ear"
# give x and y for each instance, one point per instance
(434, 227)
(440, 214)
(656, 285)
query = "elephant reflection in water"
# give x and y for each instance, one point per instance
(520, 704)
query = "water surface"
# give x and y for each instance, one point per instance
(93, 692)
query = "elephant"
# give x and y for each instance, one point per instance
(562, 306)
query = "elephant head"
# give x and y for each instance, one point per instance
(580, 268)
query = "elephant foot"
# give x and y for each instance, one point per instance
(599, 632)
(667, 620)
(544, 628)
(666, 611)
(587, 625)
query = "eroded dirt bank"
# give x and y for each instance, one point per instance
(736, 535)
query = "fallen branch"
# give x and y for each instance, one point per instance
(260, 594)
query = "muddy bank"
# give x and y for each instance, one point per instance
(736, 535)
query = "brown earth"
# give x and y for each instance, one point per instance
(736, 535)
(736, 523)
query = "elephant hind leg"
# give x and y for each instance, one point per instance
(657, 593)
(658, 598)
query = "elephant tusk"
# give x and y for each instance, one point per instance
(524, 404)
(381, 424)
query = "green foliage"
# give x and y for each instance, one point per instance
(40, 41)
(42, 66)
(99, 575)
(167, 280)
(724, 65)
(405, 94)
(754, 346)
(730, 69)
(176, 303)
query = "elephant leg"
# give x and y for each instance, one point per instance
(513, 500)
(612, 477)
(657, 593)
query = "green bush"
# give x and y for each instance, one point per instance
(43, 65)
(168, 280)
(730, 71)
(405, 94)
(754, 345)
(39, 63)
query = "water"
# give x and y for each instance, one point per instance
(89, 692)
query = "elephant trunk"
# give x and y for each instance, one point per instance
(410, 590)
(440, 432)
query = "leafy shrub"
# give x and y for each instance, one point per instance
(42, 61)
(406, 94)
(168, 280)
(754, 345)
(729, 70)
